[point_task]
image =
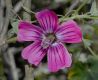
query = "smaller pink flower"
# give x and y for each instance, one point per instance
(48, 39)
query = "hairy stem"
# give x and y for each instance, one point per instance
(81, 6)
(84, 16)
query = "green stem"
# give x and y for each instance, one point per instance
(80, 7)
(90, 72)
(91, 51)
(28, 10)
(8, 41)
(85, 16)
(11, 40)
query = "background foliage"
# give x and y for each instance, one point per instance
(85, 54)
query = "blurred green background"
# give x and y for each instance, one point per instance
(84, 54)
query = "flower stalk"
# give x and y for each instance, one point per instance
(84, 16)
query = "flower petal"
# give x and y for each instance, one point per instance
(69, 32)
(27, 51)
(28, 32)
(48, 20)
(34, 53)
(58, 57)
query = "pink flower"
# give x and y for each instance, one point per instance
(48, 39)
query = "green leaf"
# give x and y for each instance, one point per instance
(78, 72)
(93, 68)
(10, 33)
(14, 24)
(84, 71)
(94, 10)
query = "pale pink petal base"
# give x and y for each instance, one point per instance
(48, 20)
(69, 32)
(58, 58)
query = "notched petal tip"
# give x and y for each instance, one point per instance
(28, 32)
(33, 53)
(48, 20)
(77, 27)
(33, 63)
(58, 58)
(23, 24)
(37, 14)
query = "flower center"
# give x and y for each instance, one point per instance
(48, 39)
